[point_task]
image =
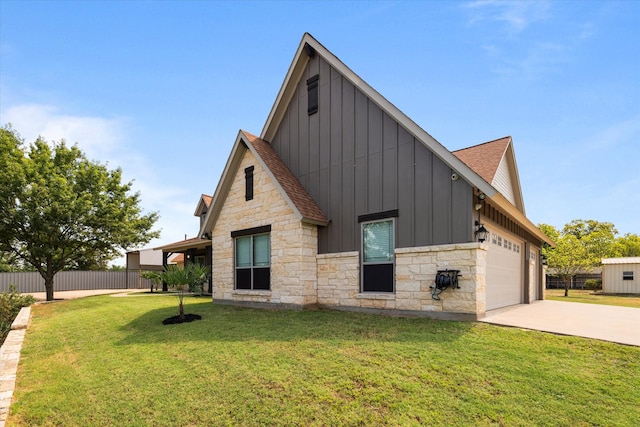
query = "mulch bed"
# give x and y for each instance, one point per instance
(176, 319)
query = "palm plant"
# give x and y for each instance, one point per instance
(189, 278)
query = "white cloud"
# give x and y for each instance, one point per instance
(620, 133)
(517, 15)
(539, 59)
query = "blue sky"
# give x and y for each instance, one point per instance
(161, 88)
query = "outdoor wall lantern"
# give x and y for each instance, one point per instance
(481, 233)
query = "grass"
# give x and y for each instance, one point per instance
(591, 297)
(110, 361)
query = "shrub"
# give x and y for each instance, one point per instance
(10, 304)
(593, 284)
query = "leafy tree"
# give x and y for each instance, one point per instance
(581, 245)
(59, 210)
(627, 246)
(598, 239)
(567, 258)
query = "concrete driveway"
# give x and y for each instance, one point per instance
(602, 322)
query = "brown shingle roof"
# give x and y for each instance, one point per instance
(484, 158)
(289, 183)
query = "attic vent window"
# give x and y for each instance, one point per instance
(312, 94)
(248, 183)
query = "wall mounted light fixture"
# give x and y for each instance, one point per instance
(482, 233)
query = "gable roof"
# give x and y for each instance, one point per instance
(310, 47)
(203, 205)
(303, 206)
(294, 192)
(495, 162)
(484, 158)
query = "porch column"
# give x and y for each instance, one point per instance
(207, 262)
(165, 262)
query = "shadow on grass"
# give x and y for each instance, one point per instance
(230, 323)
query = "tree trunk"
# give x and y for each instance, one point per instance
(181, 308)
(566, 287)
(48, 285)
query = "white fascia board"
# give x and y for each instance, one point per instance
(518, 188)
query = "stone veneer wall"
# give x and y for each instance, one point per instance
(339, 281)
(294, 245)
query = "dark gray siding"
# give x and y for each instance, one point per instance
(354, 159)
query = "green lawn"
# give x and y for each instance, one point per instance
(107, 361)
(591, 297)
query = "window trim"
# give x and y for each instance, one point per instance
(363, 224)
(251, 233)
(627, 275)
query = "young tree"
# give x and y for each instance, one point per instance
(568, 258)
(189, 278)
(59, 210)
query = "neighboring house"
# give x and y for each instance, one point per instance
(142, 260)
(345, 202)
(195, 249)
(177, 260)
(621, 275)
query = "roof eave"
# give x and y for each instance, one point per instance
(514, 213)
(182, 246)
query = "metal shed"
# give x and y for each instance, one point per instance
(621, 275)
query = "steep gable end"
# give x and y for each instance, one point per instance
(296, 196)
(203, 205)
(291, 187)
(495, 162)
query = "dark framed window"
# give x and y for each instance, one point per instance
(312, 94)
(253, 261)
(627, 275)
(378, 244)
(248, 183)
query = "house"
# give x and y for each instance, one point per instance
(621, 275)
(343, 201)
(139, 261)
(192, 250)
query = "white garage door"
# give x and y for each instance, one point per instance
(504, 281)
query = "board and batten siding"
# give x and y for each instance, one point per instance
(354, 159)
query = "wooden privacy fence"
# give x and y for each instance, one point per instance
(75, 281)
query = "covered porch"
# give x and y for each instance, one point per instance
(194, 250)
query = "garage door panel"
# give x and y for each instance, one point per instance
(504, 280)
